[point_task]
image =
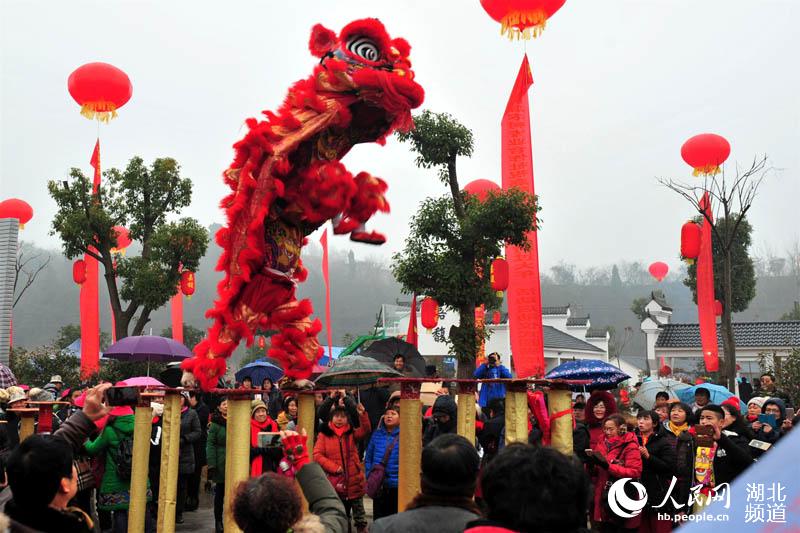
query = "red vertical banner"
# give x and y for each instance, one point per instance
(411, 335)
(705, 291)
(89, 303)
(326, 277)
(480, 324)
(524, 290)
(176, 312)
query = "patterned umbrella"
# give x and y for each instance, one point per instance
(354, 371)
(601, 374)
(7, 378)
(646, 396)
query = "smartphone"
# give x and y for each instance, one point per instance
(760, 444)
(268, 439)
(704, 435)
(768, 419)
(117, 396)
(789, 413)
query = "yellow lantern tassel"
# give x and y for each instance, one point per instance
(708, 170)
(523, 25)
(101, 111)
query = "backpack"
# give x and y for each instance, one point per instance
(123, 457)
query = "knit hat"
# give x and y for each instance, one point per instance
(734, 402)
(255, 405)
(757, 400)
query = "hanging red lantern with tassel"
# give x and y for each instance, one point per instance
(705, 153)
(123, 240)
(16, 208)
(496, 317)
(499, 276)
(187, 283)
(521, 19)
(717, 308)
(100, 89)
(79, 271)
(429, 312)
(690, 241)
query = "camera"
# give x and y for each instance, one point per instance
(122, 396)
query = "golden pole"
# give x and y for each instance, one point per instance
(237, 452)
(26, 426)
(466, 410)
(410, 444)
(170, 448)
(306, 418)
(142, 425)
(516, 412)
(559, 403)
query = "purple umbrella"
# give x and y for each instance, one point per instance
(147, 348)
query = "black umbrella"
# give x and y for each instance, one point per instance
(385, 350)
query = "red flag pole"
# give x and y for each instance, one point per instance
(89, 304)
(326, 278)
(411, 334)
(524, 290)
(705, 291)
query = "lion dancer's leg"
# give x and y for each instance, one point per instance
(369, 198)
(295, 346)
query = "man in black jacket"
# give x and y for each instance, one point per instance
(658, 467)
(733, 455)
(445, 417)
(580, 434)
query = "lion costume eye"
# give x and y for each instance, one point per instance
(364, 47)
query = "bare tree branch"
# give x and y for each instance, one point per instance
(26, 270)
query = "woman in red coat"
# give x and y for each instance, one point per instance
(262, 458)
(616, 457)
(336, 451)
(599, 406)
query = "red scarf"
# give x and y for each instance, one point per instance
(339, 431)
(268, 425)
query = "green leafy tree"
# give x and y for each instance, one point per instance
(191, 335)
(72, 332)
(794, 314)
(35, 366)
(454, 238)
(638, 307)
(140, 198)
(731, 197)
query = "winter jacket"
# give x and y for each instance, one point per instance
(263, 459)
(732, 457)
(489, 391)
(623, 459)
(658, 468)
(381, 438)
(75, 430)
(322, 499)
(492, 437)
(115, 490)
(200, 446)
(685, 451)
(581, 441)
(776, 434)
(595, 424)
(190, 434)
(48, 520)
(487, 526)
(215, 448)
(446, 405)
(435, 517)
(286, 422)
(334, 452)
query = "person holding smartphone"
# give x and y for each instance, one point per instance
(262, 458)
(491, 369)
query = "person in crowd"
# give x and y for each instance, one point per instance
(600, 406)
(197, 404)
(190, 435)
(662, 398)
(115, 443)
(154, 465)
(374, 400)
(272, 397)
(777, 408)
(663, 413)
(676, 432)
(72, 408)
(734, 423)
(287, 418)
(385, 437)
(580, 398)
(394, 400)
(264, 457)
(271, 503)
(215, 453)
(445, 503)
(658, 467)
(769, 388)
(580, 433)
(617, 457)
(247, 382)
(443, 421)
(54, 386)
(399, 363)
(336, 451)
(702, 397)
(533, 489)
(736, 458)
(754, 406)
(491, 369)
(745, 389)
(492, 436)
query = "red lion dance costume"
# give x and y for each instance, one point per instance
(287, 181)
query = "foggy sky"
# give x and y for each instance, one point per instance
(618, 86)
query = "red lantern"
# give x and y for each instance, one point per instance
(496, 317)
(521, 19)
(659, 270)
(705, 153)
(187, 283)
(430, 313)
(16, 208)
(690, 241)
(499, 275)
(262, 342)
(664, 371)
(100, 89)
(79, 271)
(123, 240)
(481, 188)
(717, 308)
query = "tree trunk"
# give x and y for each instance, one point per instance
(466, 345)
(728, 342)
(144, 318)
